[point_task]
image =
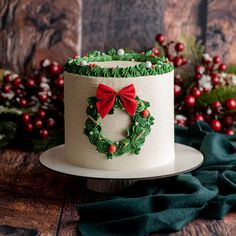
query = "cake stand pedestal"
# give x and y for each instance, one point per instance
(108, 186)
(110, 181)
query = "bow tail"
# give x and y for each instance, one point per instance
(129, 104)
(105, 105)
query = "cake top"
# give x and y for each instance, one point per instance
(118, 63)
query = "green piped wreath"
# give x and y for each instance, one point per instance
(84, 65)
(139, 128)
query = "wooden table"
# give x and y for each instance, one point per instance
(37, 201)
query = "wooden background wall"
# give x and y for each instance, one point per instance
(31, 30)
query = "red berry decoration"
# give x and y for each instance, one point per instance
(215, 125)
(229, 132)
(198, 69)
(216, 106)
(179, 47)
(198, 76)
(7, 78)
(43, 97)
(231, 103)
(145, 113)
(189, 101)
(177, 90)
(30, 83)
(179, 80)
(55, 68)
(43, 133)
(177, 61)
(160, 38)
(216, 60)
(25, 117)
(222, 67)
(28, 127)
(50, 122)
(112, 148)
(38, 123)
(42, 113)
(199, 117)
(195, 92)
(184, 60)
(6, 88)
(59, 82)
(156, 51)
(228, 120)
(23, 102)
(17, 82)
(215, 79)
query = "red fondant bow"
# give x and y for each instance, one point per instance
(107, 96)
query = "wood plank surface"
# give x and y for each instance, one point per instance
(121, 24)
(188, 17)
(31, 196)
(37, 201)
(221, 28)
(32, 30)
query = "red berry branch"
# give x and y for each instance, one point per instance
(37, 102)
(202, 89)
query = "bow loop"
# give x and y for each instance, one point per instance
(107, 96)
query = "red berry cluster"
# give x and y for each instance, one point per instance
(171, 50)
(207, 75)
(210, 71)
(38, 97)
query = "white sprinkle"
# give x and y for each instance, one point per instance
(180, 117)
(91, 106)
(207, 57)
(6, 72)
(44, 85)
(103, 53)
(120, 52)
(83, 63)
(148, 64)
(14, 76)
(234, 79)
(8, 95)
(136, 123)
(46, 63)
(91, 133)
(117, 143)
(208, 111)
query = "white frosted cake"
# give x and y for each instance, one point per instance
(119, 111)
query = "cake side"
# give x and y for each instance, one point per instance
(158, 148)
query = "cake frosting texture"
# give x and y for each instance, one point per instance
(151, 84)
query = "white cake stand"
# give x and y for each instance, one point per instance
(186, 159)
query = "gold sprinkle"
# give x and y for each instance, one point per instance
(91, 118)
(140, 134)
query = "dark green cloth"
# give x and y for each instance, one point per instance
(166, 205)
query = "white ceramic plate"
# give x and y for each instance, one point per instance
(186, 159)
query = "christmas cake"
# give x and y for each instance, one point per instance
(119, 110)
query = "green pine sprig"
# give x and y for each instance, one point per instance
(194, 48)
(220, 94)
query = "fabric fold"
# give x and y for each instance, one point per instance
(166, 205)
